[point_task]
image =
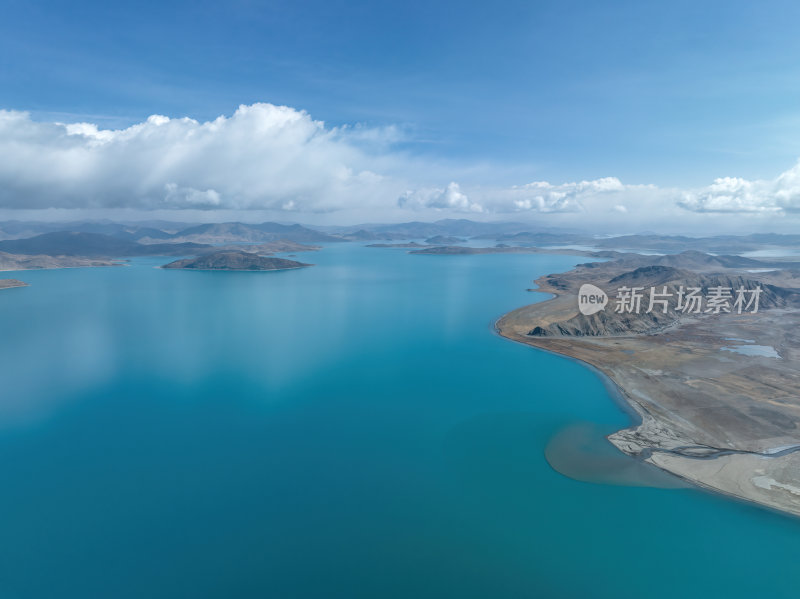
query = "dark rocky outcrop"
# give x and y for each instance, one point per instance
(609, 322)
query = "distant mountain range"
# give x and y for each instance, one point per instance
(720, 243)
(233, 232)
(205, 233)
(458, 227)
(240, 232)
(690, 259)
(107, 238)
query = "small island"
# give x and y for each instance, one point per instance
(236, 261)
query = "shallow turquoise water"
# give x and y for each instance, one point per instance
(349, 430)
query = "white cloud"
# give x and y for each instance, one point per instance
(190, 197)
(450, 198)
(542, 196)
(737, 195)
(535, 197)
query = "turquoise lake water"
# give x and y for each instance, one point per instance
(350, 430)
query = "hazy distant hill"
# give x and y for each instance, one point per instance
(721, 243)
(543, 238)
(462, 227)
(698, 260)
(726, 244)
(360, 235)
(411, 230)
(421, 230)
(690, 260)
(71, 243)
(241, 232)
(22, 230)
(444, 240)
(294, 233)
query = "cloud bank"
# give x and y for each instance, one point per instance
(263, 156)
(279, 159)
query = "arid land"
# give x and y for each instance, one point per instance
(718, 394)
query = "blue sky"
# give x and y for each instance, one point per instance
(500, 93)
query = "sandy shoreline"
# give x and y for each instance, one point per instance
(614, 390)
(61, 267)
(628, 406)
(12, 283)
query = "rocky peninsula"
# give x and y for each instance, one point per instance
(717, 394)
